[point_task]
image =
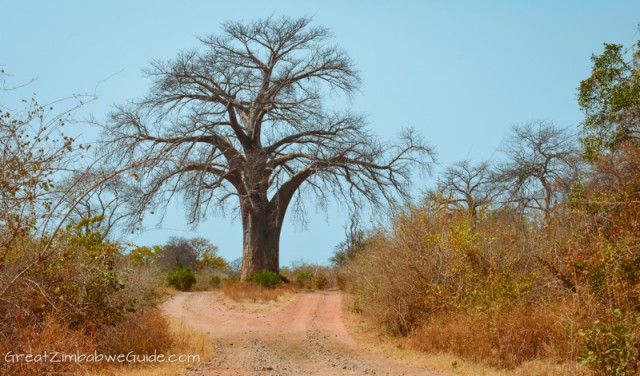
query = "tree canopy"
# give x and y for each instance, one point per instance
(610, 99)
(243, 123)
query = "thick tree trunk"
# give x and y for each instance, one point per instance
(260, 242)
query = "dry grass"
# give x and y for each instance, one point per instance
(49, 336)
(185, 340)
(251, 292)
(504, 338)
(371, 337)
(147, 332)
(143, 333)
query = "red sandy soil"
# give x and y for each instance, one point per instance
(304, 335)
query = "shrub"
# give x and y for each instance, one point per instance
(303, 278)
(232, 280)
(266, 278)
(321, 281)
(215, 281)
(181, 278)
(612, 348)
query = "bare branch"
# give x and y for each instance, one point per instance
(244, 117)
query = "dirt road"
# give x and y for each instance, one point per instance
(304, 336)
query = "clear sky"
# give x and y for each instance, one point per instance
(461, 72)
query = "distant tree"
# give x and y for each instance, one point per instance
(178, 252)
(207, 254)
(195, 253)
(242, 124)
(353, 244)
(235, 267)
(469, 186)
(610, 99)
(145, 255)
(542, 163)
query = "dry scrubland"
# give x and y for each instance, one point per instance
(522, 293)
(507, 289)
(531, 266)
(89, 298)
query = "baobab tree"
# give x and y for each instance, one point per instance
(242, 123)
(469, 186)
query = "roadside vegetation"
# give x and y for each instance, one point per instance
(533, 257)
(66, 285)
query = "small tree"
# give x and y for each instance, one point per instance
(207, 254)
(354, 243)
(178, 253)
(242, 124)
(33, 151)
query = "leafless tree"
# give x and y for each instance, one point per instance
(469, 186)
(178, 252)
(112, 200)
(542, 163)
(242, 124)
(354, 242)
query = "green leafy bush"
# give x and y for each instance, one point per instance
(266, 278)
(611, 348)
(215, 281)
(181, 278)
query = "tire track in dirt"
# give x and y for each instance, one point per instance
(305, 337)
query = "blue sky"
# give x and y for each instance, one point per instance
(461, 72)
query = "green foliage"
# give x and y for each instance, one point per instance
(232, 280)
(196, 253)
(303, 278)
(215, 281)
(612, 348)
(266, 278)
(310, 276)
(182, 278)
(208, 261)
(82, 276)
(145, 255)
(207, 255)
(610, 99)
